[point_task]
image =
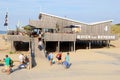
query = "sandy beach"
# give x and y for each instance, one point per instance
(87, 64)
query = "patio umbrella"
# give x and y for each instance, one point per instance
(73, 28)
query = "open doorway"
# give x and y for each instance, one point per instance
(21, 46)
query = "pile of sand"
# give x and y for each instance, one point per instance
(115, 43)
(4, 44)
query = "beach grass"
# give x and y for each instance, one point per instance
(115, 29)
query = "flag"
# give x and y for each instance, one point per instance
(6, 19)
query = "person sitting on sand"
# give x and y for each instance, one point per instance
(21, 58)
(59, 57)
(25, 63)
(50, 57)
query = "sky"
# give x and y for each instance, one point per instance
(88, 11)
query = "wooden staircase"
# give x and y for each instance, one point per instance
(39, 54)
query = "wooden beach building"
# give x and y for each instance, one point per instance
(60, 32)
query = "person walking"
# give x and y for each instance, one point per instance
(7, 61)
(66, 63)
(40, 44)
(67, 58)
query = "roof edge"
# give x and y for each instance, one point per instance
(94, 23)
(100, 22)
(64, 18)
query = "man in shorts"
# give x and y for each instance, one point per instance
(7, 61)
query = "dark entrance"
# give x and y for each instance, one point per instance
(21, 46)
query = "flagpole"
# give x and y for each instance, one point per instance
(6, 21)
(7, 28)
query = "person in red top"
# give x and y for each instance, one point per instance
(59, 57)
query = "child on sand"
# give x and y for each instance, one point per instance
(50, 58)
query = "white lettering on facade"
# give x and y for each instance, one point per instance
(95, 37)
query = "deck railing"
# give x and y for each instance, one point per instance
(74, 37)
(59, 37)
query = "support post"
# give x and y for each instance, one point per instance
(30, 54)
(58, 46)
(74, 46)
(12, 47)
(89, 45)
(108, 43)
(44, 46)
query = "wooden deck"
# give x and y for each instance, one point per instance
(73, 37)
(18, 38)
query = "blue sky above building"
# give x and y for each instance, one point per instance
(88, 11)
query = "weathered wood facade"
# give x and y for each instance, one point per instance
(99, 31)
(53, 22)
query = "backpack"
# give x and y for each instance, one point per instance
(11, 62)
(53, 61)
(48, 57)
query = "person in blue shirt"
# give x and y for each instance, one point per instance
(67, 58)
(66, 62)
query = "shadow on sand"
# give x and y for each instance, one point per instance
(33, 60)
(1, 64)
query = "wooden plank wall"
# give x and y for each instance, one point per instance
(97, 29)
(48, 21)
(51, 22)
(101, 29)
(59, 37)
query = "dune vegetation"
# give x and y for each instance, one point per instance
(115, 29)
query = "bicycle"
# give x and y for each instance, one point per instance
(3, 70)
